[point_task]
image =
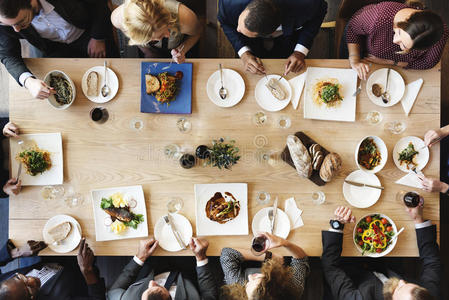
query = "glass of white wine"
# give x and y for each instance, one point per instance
(260, 118)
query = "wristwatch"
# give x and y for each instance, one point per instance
(337, 225)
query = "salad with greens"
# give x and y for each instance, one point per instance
(373, 234)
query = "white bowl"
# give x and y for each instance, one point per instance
(383, 154)
(52, 99)
(389, 249)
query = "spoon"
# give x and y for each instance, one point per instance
(222, 92)
(385, 95)
(105, 90)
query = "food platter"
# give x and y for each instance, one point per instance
(264, 97)
(421, 159)
(164, 234)
(112, 80)
(261, 223)
(396, 86)
(234, 84)
(70, 242)
(361, 197)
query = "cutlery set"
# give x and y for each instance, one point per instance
(169, 220)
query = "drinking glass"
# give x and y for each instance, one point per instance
(99, 114)
(263, 198)
(52, 192)
(260, 118)
(136, 124)
(184, 125)
(318, 197)
(284, 122)
(396, 127)
(74, 200)
(172, 151)
(263, 155)
(259, 245)
(374, 117)
(175, 205)
(410, 198)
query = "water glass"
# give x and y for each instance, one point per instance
(263, 198)
(172, 151)
(136, 124)
(74, 200)
(396, 127)
(174, 205)
(318, 197)
(284, 122)
(260, 118)
(374, 117)
(184, 125)
(52, 192)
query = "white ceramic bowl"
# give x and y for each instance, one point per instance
(383, 154)
(52, 99)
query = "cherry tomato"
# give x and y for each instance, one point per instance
(378, 250)
(389, 228)
(179, 75)
(360, 230)
(361, 243)
(368, 219)
(384, 221)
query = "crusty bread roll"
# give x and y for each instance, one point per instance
(300, 156)
(92, 84)
(152, 83)
(330, 167)
(59, 232)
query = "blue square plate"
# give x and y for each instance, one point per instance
(183, 101)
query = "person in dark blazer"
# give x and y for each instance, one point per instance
(271, 29)
(58, 28)
(375, 280)
(11, 186)
(141, 280)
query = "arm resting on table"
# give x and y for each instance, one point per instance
(207, 283)
(430, 256)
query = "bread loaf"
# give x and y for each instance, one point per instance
(300, 156)
(92, 84)
(330, 167)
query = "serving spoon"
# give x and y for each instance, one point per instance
(105, 90)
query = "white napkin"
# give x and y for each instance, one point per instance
(297, 84)
(411, 92)
(293, 213)
(411, 179)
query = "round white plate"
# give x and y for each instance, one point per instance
(261, 223)
(112, 83)
(396, 86)
(233, 83)
(71, 241)
(361, 197)
(380, 144)
(264, 97)
(165, 236)
(422, 157)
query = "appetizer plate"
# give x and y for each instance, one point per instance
(261, 223)
(113, 84)
(381, 147)
(396, 86)
(344, 111)
(165, 236)
(264, 97)
(52, 99)
(52, 142)
(183, 101)
(422, 157)
(205, 226)
(70, 242)
(103, 232)
(361, 197)
(234, 84)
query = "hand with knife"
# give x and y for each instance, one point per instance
(13, 185)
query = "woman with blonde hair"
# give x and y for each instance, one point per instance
(274, 281)
(161, 28)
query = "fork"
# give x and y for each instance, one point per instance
(358, 90)
(270, 217)
(168, 67)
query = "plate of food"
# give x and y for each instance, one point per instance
(164, 234)
(64, 87)
(62, 233)
(361, 196)
(119, 213)
(273, 93)
(329, 94)
(410, 153)
(41, 158)
(371, 154)
(261, 223)
(234, 84)
(93, 81)
(166, 88)
(373, 235)
(376, 84)
(221, 209)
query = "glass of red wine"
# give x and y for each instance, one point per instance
(260, 245)
(410, 199)
(99, 114)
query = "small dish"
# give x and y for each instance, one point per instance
(52, 99)
(232, 80)
(380, 144)
(361, 197)
(113, 84)
(70, 242)
(396, 86)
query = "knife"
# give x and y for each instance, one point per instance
(275, 210)
(169, 220)
(364, 184)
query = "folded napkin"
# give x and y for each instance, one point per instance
(411, 179)
(293, 213)
(297, 84)
(411, 92)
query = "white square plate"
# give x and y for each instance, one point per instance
(205, 226)
(103, 232)
(52, 142)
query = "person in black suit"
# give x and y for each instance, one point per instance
(271, 29)
(11, 186)
(375, 280)
(58, 28)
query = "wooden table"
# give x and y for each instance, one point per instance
(112, 154)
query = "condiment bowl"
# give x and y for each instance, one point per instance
(52, 99)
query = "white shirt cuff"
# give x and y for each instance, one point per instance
(243, 50)
(423, 224)
(23, 77)
(138, 261)
(202, 262)
(335, 230)
(302, 49)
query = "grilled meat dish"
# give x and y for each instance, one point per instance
(221, 210)
(121, 214)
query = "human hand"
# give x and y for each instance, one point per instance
(295, 62)
(38, 89)
(85, 257)
(178, 54)
(31, 248)
(361, 68)
(12, 187)
(252, 64)
(431, 136)
(433, 185)
(96, 48)
(199, 248)
(146, 248)
(416, 213)
(344, 215)
(275, 241)
(11, 130)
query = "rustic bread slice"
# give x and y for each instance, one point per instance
(152, 83)
(92, 84)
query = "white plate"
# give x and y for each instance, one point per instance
(112, 83)
(52, 142)
(165, 236)
(361, 197)
(52, 99)
(396, 86)
(264, 97)
(103, 232)
(205, 226)
(383, 154)
(422, 157)
(70, 242)
(233, 83)
(261, 223)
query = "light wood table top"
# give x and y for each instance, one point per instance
(112, 154)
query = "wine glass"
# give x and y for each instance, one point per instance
(136, 124)
(396, 127)
(184, 125)
(74, 199)
(284, 122)
(263, 198)
(259, 245)
(318, 197)
(260, 118)
(174, 205)
(172, 151)
(52, 192)
(374, 117)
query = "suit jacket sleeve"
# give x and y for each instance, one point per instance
(127, 277)
(10, 53)
(342, 287)
(207, 283)
(429, 255)
(101, 24)
(310, 28)
(97, 291)
(5, 257)
(228, 23)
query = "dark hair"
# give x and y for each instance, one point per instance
(10, 8)
(157, 295)
(420, 293)
(263, 17)
(425, 29)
